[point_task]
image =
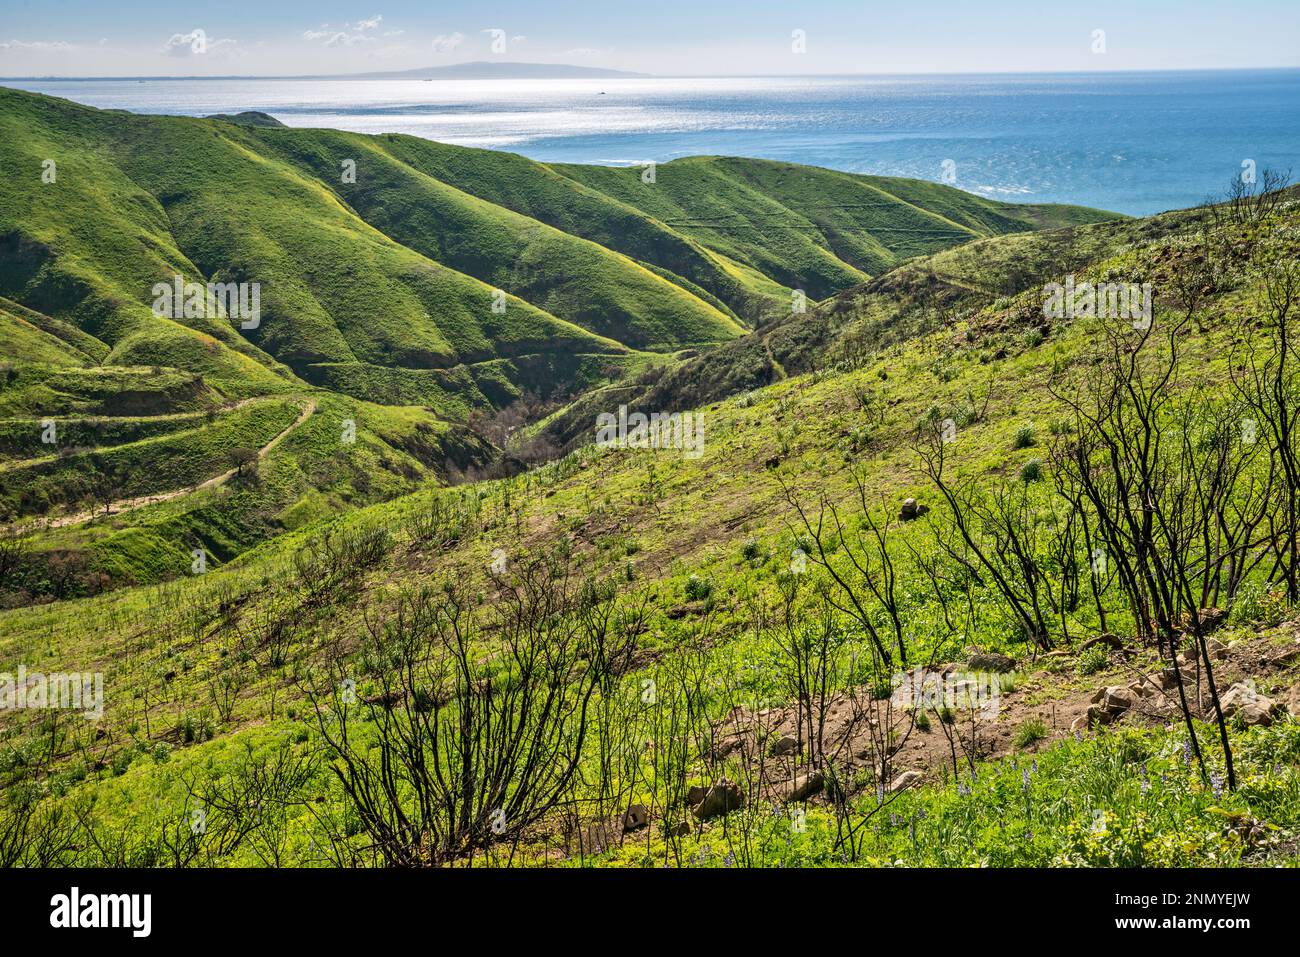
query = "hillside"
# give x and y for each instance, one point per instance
(925, 470)
(407, 292)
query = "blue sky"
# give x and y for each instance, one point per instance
(674, 37)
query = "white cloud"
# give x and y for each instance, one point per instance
(446, 42)
(45, 46)
(348, 35)
(198, 43)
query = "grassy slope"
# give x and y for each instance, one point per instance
(670, 518)
(814, 229)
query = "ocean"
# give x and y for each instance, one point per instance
(1135, 143)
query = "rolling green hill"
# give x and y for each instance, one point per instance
(428, 285)
(711, 583)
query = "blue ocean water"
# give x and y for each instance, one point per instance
(1131, 142)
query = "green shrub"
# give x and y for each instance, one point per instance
(698, 589)
(1093, 660)
(1031, 732)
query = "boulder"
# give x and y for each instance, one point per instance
(730, 743)
(911, 509)
(1244, 702)
(1111, 702)
(1168, 678)
(1118, 699)
(788, 744)
(635, 817)
(722, 798)
(1211, 618)
(1143, 688)
(1114, 642)
(805, 786)
(905, 780)
(1098, 715)
(990, 661)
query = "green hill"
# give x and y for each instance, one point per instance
(705, 593)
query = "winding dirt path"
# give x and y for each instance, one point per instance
(130, 504)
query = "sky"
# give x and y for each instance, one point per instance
(666, 37)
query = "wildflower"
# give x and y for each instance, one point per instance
(1187, 752)
(1216, 782)
(962, 790)
(1024, 779)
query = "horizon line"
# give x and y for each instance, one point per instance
(635, 75)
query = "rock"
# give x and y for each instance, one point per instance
(905, 780)
(1244, 702)
(1168, 678)
(990, 661)
(1110, 703)
(720, 799)
(1281, 659)
(1082, 722)
(635, 817)
(911, 509)
(1143, 688)
(1211, 618)
(788, 744)
(1217, 649)
(680, 830)
(1293, 701)
(1113, 642)
(805, 786)
(730, 743)
(1118, 699)
(1098, 715)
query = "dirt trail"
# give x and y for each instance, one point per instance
(169, 417)
(130, 504)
